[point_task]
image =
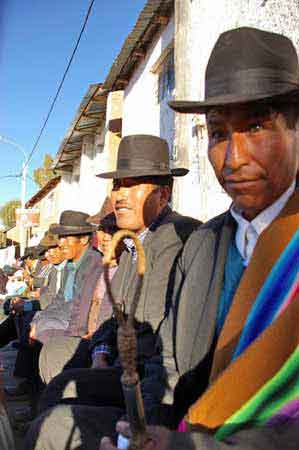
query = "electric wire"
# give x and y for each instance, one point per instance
(61, 83)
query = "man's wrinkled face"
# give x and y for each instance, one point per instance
(137, 202)
(54, 255)
(73, 247)
(254, 155)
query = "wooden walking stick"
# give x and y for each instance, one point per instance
(127, 344)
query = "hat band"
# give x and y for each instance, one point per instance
(251, 81)
(141, 164)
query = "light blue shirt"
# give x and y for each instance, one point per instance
(72, 268)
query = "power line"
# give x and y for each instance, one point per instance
(61, 82)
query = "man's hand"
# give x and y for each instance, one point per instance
(17, 305)
(99, 361)
(86, 336)
(32, 334)
(158, 437)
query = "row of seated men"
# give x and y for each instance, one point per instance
(217, 317)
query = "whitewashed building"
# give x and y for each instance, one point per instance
(198, 25)
(164, 57)
(80, 156)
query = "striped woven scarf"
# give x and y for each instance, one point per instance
(278, 398)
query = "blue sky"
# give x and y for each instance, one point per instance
(36, 41)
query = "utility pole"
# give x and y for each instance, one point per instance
(23, 231)
(23, 234)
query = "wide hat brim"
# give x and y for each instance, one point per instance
(68, 230)
(131, 173)
(288, 96)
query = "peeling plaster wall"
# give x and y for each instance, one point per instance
(209, 19)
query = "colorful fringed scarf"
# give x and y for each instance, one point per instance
(263, 372)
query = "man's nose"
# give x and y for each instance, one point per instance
(236, 151)
(121, 193)
(61, 242)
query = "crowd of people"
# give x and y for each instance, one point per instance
(216, 321)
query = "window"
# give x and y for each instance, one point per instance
(166, 78)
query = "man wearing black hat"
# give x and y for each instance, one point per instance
(142, 185)
(237, 280)
(60, 354)
(67, 314)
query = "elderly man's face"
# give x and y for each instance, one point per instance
(54, 255)
(137, 202)
(254, 155)
(73, 247)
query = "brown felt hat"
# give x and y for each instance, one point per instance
(105, 217)
(50, 240)
(142, 155)
(72, 223)
(248, 65)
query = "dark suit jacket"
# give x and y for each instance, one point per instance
(188, 340)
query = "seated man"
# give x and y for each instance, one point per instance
(49, 280)
(237, 366)
(236, 291)
(140, 198)
(67, 314)
(3, 281)
(69, 353)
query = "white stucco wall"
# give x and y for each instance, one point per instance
(141, 109)
(81, 190)
(200, 194)
(91, 188)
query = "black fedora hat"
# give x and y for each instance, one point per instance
(72, 223)
(248, 65)
(142, 155)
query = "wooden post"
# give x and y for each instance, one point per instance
(114, 113)
(183, 66)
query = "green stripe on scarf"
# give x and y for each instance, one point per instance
(276, 393)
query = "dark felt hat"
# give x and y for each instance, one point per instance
(39, 251)
(248, 65)
(142, 155)
(28, 253)
(50, 240)
(105, 217)
(72, 223)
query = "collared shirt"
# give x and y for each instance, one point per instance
(72, 267)
(130, 243)
(248, 232)
(59, 268)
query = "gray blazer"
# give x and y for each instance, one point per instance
(72, 317)
(162, 246)
(188, 341)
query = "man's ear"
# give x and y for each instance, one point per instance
(84, 240)
(165, 195)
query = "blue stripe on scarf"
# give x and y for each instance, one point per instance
(271, 296)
